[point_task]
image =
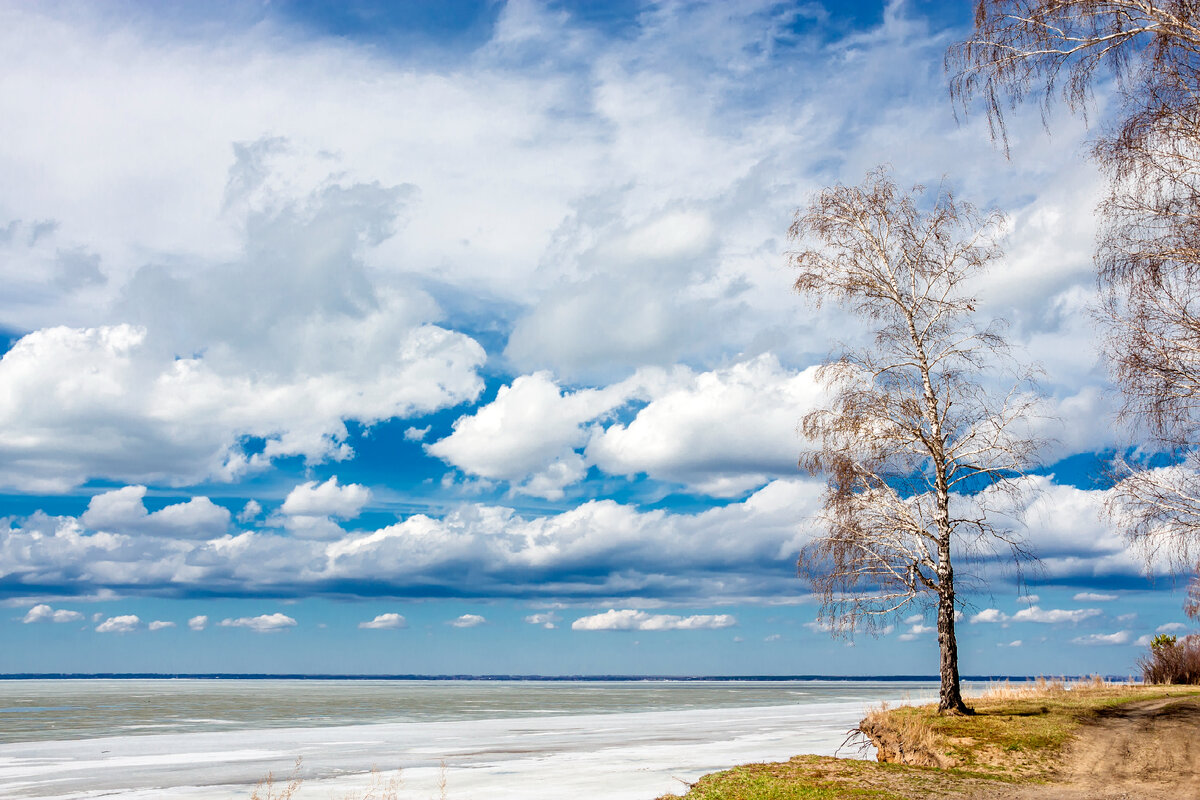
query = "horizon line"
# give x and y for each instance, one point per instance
(514, 677)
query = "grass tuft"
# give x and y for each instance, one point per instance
(267, 790)
(903, 735)
(379, 788)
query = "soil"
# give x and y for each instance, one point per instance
(1146, 750)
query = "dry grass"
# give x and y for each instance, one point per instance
(267, 790)
(442, 781)
(1042, 687)
(1017, 738)
(902, 735)
(379, 788)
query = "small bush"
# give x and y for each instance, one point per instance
(1172, 660)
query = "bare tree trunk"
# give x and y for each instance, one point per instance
(950, 697)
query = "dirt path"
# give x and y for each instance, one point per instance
(1140, 751)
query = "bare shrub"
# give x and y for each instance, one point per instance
(1172, 660)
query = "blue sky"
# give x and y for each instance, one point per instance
(458, 338)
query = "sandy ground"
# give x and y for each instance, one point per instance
(1141, 751)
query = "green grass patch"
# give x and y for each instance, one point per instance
(807, 778)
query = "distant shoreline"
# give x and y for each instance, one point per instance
(251, 676)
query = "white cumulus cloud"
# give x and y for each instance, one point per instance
(414, 434)
(263, 623)
(126, 623)
(328, 499)
(915, 630)
(103, 402)
(250, 511)
(1034, 613)
(529, 433)
(158, 625)
(44, 613)
(198, 622)
(1100, 639)
(389, 621)
(1054, 615)
(722, 432)
(467, 621)
(124, 511)
(633, 620)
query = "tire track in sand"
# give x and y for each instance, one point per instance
(1148, 750)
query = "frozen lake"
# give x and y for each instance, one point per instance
(213, 739)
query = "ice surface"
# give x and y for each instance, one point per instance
(613, 756)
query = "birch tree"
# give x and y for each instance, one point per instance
(1148, 247)
(920, 453)
(1059, 49)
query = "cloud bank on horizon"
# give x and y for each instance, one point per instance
(294, 314)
